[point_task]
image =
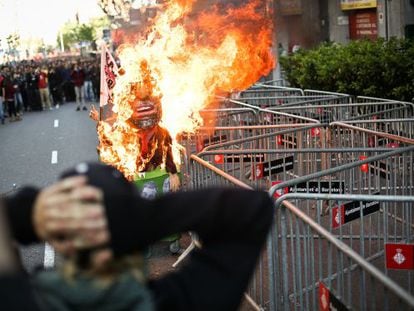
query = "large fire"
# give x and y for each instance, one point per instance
(188, 56)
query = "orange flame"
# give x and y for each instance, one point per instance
(190, 56)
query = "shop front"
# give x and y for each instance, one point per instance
(363, 18)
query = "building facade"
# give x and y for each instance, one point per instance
(306, 23)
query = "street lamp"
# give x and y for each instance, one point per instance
(387, 35)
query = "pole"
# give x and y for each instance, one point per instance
(62, 47)
(386, 20)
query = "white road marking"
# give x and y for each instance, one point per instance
(56, 124)
(49, 258)
(54, 157)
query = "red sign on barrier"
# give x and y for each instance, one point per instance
(338, 216)
(219, 159)
(352, 210)
(279, 192)
(328, 301)
(363, 167)
(399, 256)
(270, 168)
(258, 171)
(323, 297)
(315, 132)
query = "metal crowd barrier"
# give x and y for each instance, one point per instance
(285, 153)
(269, 289)
(347, 220)
(352, 183)
(370, 179)
(310, 268)
(398, 127)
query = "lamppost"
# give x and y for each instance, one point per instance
(387, 35)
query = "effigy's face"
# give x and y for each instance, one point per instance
(145, 113)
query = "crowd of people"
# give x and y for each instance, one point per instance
(37, 86)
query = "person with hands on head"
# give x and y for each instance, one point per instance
(101, 224)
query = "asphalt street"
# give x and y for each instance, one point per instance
(36, 150)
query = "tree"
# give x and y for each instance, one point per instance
(74, 33)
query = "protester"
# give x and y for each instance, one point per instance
(55, 84)
(99, 223)
(88, 86)
(8, 92)
(18, 84)
(1, 98)
(43, 84)
(34, 102)
(78, 79)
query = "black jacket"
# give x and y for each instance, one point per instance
(232, 225)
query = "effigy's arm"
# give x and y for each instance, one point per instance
(94, 115)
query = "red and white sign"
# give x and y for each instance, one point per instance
(328, 301)
(399, 256)
(219, 159)
(315, 132)
(279, 192)
(363, 24)
(258, 171)
(338, 216)
(323, 297)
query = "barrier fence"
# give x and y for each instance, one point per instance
(313, 268)
(341, 172)
(368, 228)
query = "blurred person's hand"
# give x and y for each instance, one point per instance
(70, 216)
(175, 182)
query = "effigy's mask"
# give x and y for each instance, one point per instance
(146, 110)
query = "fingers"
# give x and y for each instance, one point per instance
(174, 182)
(93, 113)
(87, 193)
(62, 212)
(70, 215)
(65, 185)
(75, 217)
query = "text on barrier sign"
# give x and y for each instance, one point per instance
(352, 210)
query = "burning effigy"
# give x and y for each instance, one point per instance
(188, 55)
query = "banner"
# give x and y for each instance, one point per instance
(109, 72)
(358, 4)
